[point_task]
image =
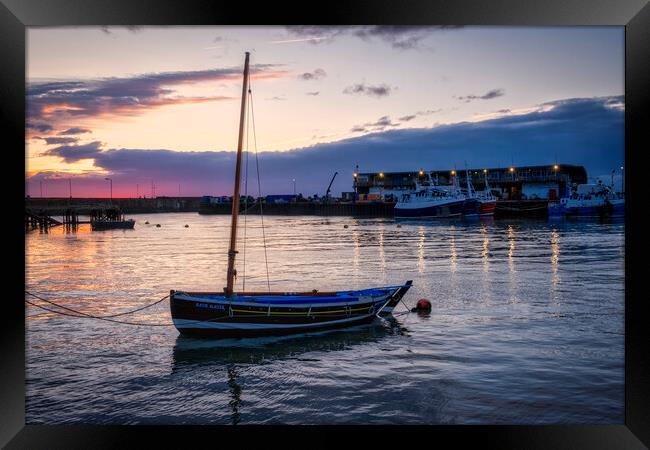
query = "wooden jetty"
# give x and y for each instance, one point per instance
(40, 220)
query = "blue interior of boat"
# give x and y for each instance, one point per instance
(346, 296)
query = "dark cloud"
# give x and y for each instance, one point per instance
(313, 93)
(74, 153)
(40, 127)
(380, 124)
(584, 131)
(378, 91)
(315, 75)
(428, 112)
(75, 130)
(58, 140)
(494, 93)
(128, 95)
(399, 37)
(407, 118)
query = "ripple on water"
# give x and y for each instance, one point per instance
(526, 327)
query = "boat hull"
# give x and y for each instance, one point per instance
(214, 315)
(487, 207)
(471, 207)
(608, 209)
(441, 210)
(112, 225)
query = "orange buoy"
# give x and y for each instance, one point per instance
(423, 305)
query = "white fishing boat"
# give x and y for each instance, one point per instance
(590, 200)
(430, 201)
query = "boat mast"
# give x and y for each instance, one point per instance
(235, 198)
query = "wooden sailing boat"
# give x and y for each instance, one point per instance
(229, 313)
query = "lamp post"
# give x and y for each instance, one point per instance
(294, 187)
(111, 184)
(622, 181)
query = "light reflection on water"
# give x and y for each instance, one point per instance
(526, 327)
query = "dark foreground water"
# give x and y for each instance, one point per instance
(527, 324)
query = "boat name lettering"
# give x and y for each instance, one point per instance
(207, 305)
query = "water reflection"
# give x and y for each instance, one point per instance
(511, 264)
(235, 392)
(421, 266)
(190, 352)
(511, 248)
(454, 255)
(485, 258)
(382, 252)
(555, 264)
(486, 250)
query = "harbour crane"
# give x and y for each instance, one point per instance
(327, 193)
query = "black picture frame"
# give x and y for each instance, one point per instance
(16, 15)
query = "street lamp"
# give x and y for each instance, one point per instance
(111, 184)
(294, 187)
(622, 181)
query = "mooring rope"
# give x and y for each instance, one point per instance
(108, 318)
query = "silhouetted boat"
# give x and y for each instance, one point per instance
(230, 314)
(109, 219)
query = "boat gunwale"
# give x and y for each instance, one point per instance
(345, 301)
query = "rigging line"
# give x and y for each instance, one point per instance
(246, 198)
(102, 317)
(88, 316)
(259, 187)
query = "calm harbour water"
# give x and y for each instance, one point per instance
(527, 325)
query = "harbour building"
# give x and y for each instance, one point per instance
(507, 183)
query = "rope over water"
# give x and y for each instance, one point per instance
(108, 318)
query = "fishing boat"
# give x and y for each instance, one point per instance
(430, 200)
(486, 201)
(589, 200)
(239, 314)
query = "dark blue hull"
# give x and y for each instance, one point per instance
(451, 209)
(471, 207)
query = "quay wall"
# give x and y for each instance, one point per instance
(82, 206)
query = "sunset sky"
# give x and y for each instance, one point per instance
(161, 104)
